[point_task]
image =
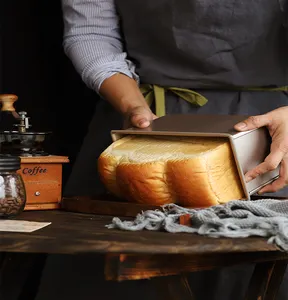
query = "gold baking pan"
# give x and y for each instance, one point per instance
(249, 148)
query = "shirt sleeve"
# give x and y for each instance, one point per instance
(92, 41)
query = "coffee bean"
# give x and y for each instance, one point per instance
(12, 195)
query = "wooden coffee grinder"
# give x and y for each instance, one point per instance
(41, 171)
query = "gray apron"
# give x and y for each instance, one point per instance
(207, 46)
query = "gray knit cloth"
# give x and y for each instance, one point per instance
(236, 219)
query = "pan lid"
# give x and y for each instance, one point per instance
(189, 124)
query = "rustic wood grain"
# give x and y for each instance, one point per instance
(42, 176)
(148, 254)
(104, 205)
(121, 267)
(42, 206)
(185, 220)
(110, 205)
(73, 233)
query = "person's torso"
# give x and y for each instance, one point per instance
(206, 43)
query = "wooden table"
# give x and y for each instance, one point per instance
(146, 254)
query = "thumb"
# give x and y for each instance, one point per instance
(141, 118)
(253, 122)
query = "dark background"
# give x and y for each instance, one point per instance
(34, 67)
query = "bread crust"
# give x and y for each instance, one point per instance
(192, 181)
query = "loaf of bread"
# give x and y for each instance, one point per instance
(189, 171)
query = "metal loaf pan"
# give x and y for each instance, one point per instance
(249, 148)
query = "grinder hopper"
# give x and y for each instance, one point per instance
(249, 148)
(16, 137)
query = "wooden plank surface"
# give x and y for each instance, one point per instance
(111, 206)
(72, 233)
(134, 267)
(103, 205)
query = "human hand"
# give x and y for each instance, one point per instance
(140, 117)
(277, 123)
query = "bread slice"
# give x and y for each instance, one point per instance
(189, 171)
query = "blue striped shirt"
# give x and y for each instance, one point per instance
(93, 42)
